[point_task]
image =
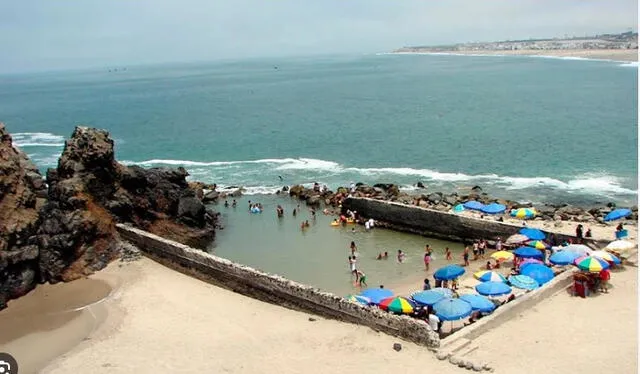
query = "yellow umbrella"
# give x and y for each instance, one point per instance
(502, 256)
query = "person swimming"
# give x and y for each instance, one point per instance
(234, 203)
(226, 203)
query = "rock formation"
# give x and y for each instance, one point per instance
(22, 192)
(72, 232)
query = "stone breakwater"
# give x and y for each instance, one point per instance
(433, 223)
(275, 289)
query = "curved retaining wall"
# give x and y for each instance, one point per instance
(433, 223)
(275, 289)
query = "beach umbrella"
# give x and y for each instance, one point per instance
(489, 276)
(493, 288)
(358, 299)
(428, 297)
(473, 205)
(523, 213)
(446, 292)
(517, 239)
(449, 272)
(533, 234)
(452, 309)
(502, 256)
(563, 258)
(399, 305)
(458, 208)
(610, 258)
(580, 249)
(493, 208)
(376, 294)
(591, 264)
(529, 261)
(527, 252)
(479, 303)
(617, 214)
(542, 274)
(620, 245)
(538, 244)
(524, 282)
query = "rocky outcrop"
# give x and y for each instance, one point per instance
(67, 230)
(22, 192)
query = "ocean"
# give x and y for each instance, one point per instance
(530, 129)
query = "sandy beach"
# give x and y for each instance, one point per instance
(163, 321)
(622, 55)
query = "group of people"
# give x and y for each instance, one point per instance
(233, 204)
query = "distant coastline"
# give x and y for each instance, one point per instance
(619, 55)
(621, 47)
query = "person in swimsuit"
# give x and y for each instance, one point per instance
(401, 255)
(447, 253)
(465, 256)
(362, 278)
(352, 266)
(427, 260)
(353, 248)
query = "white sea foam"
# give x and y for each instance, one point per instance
(596, 184)
(633, 64)
(37, 139)
(567, 58)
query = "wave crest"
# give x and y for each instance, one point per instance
(37, 139)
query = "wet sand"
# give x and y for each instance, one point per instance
(53, 319)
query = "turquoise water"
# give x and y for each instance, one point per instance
(318, 255)
(527, 128)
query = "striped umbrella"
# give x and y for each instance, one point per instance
(591, 264)
(398, 304)
(530, 261)
(502, 256)
(358, 299)
(489, 276)
(428, 297)
(517, 239)
(523, 281)
(538, 244)
(376, 294)
(607, 257)
(523, 213)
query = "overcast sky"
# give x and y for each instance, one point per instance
(53, 34)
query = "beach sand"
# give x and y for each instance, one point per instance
(566, 334)
(623, 55)
(169, 322)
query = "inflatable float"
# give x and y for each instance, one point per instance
(335, 223)
(255, 210)
(351, 220)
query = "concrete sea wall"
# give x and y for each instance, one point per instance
(275, 289)
(432, 223)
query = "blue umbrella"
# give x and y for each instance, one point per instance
(533, 234)
(449, 272)
(458, 208)
(524, 282)
(527, 252)
(479, 303)
(617, 214)
(359, 299)
(493, 288)
(540, 273)
(563, 258)
(473, 205)
(376, 295)
(452, 309)
(428, 297)
(446, 292)
(493, 208)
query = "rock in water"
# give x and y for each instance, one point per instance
(397, 347)
(21, 195)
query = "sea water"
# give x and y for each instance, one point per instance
(319, 254)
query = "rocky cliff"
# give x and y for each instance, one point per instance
(22, 192)
(70, 231)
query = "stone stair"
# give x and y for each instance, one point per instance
(457, 353)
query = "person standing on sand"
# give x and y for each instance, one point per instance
(579, 233)
(427, 285)
(605, 275)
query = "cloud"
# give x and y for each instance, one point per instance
(43, 34)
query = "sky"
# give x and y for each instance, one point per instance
(68, 34)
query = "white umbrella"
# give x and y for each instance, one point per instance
(620, 245)
(517, 239)
(579, 249)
